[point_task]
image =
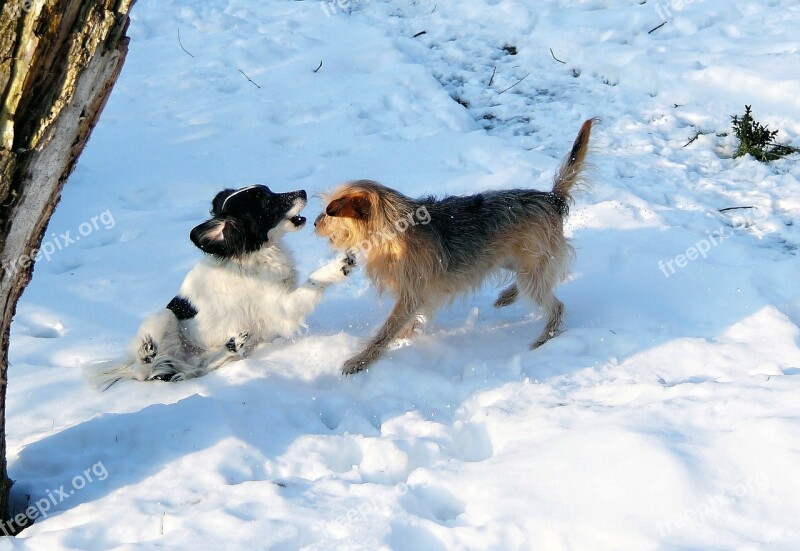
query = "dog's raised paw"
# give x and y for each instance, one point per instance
(349, 262)
(148, 350)
(236, 344)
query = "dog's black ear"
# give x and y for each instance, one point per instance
(222, 237)
(350, 206)
(219, 200)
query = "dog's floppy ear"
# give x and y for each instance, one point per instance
(219, 200)
(221, 237)
(350, 206)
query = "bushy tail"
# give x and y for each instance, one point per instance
(103, 375)
(570, 172)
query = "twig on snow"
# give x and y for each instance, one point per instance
(181, 43)
(250, 79)
(554, 57)
(510, 87)
(695, 138)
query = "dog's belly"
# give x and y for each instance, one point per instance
(262, 319)
(229, 304)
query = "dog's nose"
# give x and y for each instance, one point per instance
(302, 193)
(318, 219)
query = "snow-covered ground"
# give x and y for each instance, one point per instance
(665, 417)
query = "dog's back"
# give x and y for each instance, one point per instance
(473, 232)
(476, 234)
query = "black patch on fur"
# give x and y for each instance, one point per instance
(182, 308)
(242, 220)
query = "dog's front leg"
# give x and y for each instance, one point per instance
(301, 302)
(402, 314)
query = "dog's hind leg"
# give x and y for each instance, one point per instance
(554, 310)
(236, 348)
(150, 353)
(537, 279)
(154, 341)
(507, 297)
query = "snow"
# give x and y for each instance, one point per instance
(664, 417)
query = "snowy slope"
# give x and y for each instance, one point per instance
(665, 417)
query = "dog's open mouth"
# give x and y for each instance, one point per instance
(298, 221)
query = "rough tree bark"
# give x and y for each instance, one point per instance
(59, 60)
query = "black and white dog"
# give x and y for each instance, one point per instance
(243, 293)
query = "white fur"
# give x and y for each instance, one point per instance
(251, 300)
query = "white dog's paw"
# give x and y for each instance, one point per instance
(148, 350)
(348, 263)
(335, 271)
(164, 377)
(240, 344)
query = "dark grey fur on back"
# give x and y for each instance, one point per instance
(466, 226)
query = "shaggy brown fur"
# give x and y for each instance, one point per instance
(427, 251)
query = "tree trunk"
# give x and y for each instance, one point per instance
(59, 60)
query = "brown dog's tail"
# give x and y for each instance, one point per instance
(570, 172)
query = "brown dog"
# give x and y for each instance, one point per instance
(428, 251)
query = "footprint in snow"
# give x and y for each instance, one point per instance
(42, 327)
(433, 502)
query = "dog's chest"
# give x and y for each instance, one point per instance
(232, 301)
